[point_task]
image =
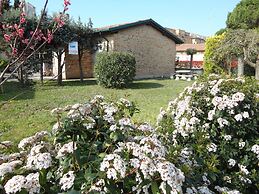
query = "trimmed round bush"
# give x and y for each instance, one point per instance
(115, 69)
(212, 134)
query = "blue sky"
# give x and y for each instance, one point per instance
(203, 17)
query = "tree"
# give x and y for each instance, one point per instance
(83, 34)
(16, 4)
(244, 16)
(58, 45)
(5, 5)
(191, 52)
(247, 42)
(213, 62)
(14, 36)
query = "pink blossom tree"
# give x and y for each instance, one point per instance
(20, 46)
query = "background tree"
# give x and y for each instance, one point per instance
(244, 16)
(16, 4)
(213, 62)
(83, 33)
(191, 52)
(5, 5)
(59, 44)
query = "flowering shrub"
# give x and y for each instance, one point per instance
(93, 148)
(212, 135)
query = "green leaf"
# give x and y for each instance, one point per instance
(154, 188)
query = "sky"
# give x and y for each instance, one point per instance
(203, 17)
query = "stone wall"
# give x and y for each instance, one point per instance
(154, 52)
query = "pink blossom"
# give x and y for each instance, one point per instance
(14, 51)
(7, 38)
(20, 32)
(25, 41)
(50, 37)
(67, 3)
(22, 20)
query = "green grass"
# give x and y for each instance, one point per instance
(30, 110)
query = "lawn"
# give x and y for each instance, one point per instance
(30, 110)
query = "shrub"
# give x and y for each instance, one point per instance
(212, 133)
(115, 69)
(94, 148)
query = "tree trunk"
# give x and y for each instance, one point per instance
(59, 79)
(80, 55)
(257, 72)
(240, 67)
(41, 70)
(20, 75)
(1, 86)
(191, 61)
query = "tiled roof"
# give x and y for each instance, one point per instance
(118, 27)
(184, 47)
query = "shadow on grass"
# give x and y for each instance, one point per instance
(145, 85)
(15, 91)
(70, 83)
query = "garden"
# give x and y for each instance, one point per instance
(110, 134)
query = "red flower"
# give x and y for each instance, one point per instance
(14, 51)
(25, 41)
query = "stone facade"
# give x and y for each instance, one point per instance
(72, 66)
(154, 52)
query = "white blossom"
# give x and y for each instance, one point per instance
(67, 148)
(245, 115)
(67, 181)
(239, 117)
(243, 169)
(39, 161)
(15, 184)
(238, 96)
(32, 184)
(227, 137)
(8, 167)
(222, 122)
(231, 162)
(212, 147)
(255, 149)
(241, 144)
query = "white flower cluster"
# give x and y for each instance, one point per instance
(38, 160)
(67, 148)
(212, 147)
(199, 190)
(67, 181)
(30, 141)
(147, 158)
(9, 167)
(255, 149)
(99, 187)
(30, 183)
(125, 102)
(113, 165)
(146, 127)
(226, 190)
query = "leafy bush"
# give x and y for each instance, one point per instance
(94, 148)
(115, 69)
(212, 133)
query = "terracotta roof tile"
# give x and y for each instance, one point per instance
(184, 47)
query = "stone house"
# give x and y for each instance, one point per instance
(153, 47)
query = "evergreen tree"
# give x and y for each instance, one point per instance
(16, 4)
(244, 16)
